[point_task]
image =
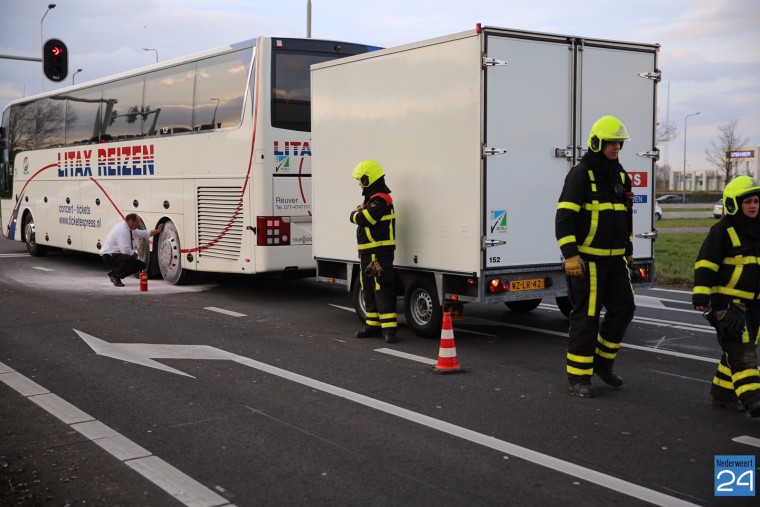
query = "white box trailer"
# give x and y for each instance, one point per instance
(476, 132)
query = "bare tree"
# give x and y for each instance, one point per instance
(666, 132)
(728, 140)
(662, 176)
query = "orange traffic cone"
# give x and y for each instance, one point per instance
(447, 353)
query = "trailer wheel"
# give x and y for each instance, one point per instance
(30, 238)
(356, 295)
(565, 305)
(523, 306)
(169, 255)
(422, 309)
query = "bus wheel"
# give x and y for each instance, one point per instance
(565, 305)
(32, 247)
(356, 295)
(422, 310)
(169, 255)
(523, 306)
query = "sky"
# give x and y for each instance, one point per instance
(709, 57)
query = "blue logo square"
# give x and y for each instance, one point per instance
(735, 476)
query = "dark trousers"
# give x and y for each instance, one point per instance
(379, 292)
(591, 345)
(737, 375)
(122, 265)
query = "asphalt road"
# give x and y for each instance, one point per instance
(252, 391)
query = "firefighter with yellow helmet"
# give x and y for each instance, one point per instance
(593, 227)
(375, 236)
(727, 290)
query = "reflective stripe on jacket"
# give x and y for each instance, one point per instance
(375, 224)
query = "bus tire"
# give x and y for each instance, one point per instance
(170, 255)
(30, 238)
(356, 295)
(524, 306)
(422, 309)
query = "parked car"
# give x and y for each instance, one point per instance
(657, 212)
(718, 209)
(670, 198)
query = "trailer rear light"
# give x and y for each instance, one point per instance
(639, 274)
(496, 286)
(272, 231)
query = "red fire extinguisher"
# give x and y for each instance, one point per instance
(143, 281)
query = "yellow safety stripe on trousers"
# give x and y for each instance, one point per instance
(724, 369)
(601, 252)
(566, 240)
(372, 315)
(707, 265)
(748, 388)
(741, 375)
(723, 383)
(373, 244)
(592, 289)
(569, 206)
(599, 352)
(580, 359)
(605, 343)
(388, 315)
(577, 371)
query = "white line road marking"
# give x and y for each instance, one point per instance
(398, 353)
(755, 442)
(146, 351)
(182, 487)
(681, 376)
(226, 312)
(11, 255)
(42, 269)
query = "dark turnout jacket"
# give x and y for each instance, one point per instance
(376, 221)
(592, 217)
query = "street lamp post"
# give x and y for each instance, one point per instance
(683, 199)
(75, 75)
(42, 45)
(154, 50)
(308, 19)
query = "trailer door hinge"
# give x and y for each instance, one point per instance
(648, 235)
(654, 76)
(654, 154)
(493, 242)
(492, 62)
(487, 150)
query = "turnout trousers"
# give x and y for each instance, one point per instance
(378, 290)
(591, 345)
(737, 376)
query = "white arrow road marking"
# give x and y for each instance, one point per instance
(143, 352)
(747, 440)
(226, 312)
(179, 485)
(42, 269)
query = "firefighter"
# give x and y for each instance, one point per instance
(727, 288)
(375, 235)
(593, 226)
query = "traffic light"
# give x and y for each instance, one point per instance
(55, 60)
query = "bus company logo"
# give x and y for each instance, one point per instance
(112, 161)
(499, 220)
(290, 148)
(26, 165)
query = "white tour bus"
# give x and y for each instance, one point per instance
(216, 146)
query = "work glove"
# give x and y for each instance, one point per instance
(575, 267)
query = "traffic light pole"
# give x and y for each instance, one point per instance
(14, 57)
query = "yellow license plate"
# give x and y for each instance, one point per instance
(533, 284)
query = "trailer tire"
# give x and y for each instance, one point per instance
(169, 255)
(422, 309)
(34, 248)
(565, 305)
(356, 295)
(524, 306)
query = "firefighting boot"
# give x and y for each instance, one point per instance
(581, 386)
(609, 377)
(753, 409)
(389, 334)
(369, 332)
(732, 405)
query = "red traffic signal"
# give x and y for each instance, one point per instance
(55, 60)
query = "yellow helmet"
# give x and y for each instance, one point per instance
(737, 188)
(367, 172)
(606, 128)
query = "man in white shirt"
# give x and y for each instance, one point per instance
(117, 252)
